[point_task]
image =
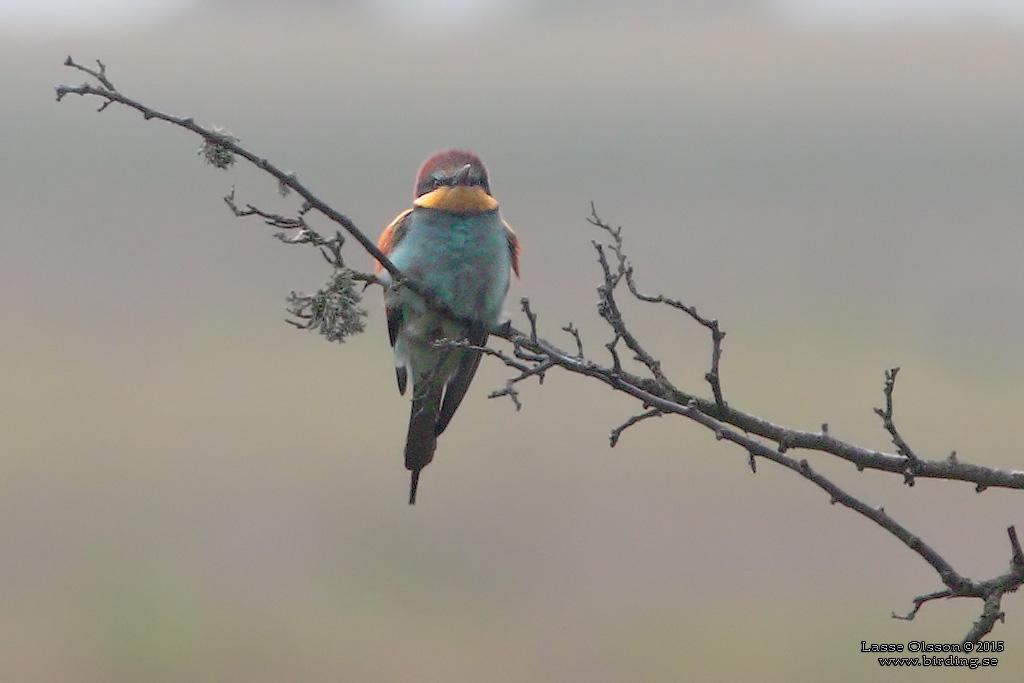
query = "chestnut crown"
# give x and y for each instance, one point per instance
(451, 167)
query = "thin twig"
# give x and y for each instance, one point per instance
(571, 329)
(625, 270)
(531, 317)
(608, 307)
(613, 438)
(902, 447)
(920, 600)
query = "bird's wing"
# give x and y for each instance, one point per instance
(460, 381)
(392, 235)
(389, 239)
(394, 316)
(513, 248)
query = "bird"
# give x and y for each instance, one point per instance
(453, 243)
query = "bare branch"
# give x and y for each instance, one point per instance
(608, 307)
(713, 376)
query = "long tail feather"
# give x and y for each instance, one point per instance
(421, 441)
(412, 486)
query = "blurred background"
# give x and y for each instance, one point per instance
(192, 490)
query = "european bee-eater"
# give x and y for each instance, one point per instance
(453, 242)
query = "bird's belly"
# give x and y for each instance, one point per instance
(464, 261)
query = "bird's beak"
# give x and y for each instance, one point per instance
(462, 175)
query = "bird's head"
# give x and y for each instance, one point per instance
(455, 181)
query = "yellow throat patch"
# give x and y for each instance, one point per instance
(457, 199)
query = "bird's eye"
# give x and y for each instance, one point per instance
(438, 181)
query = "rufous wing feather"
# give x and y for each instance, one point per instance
(392, 235)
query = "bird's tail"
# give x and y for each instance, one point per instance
(422, 439)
